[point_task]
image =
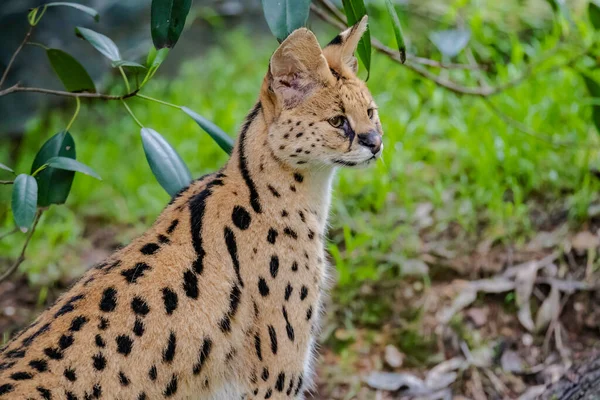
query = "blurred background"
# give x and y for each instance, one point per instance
(466, 261)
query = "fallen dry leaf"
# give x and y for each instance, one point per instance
(585, 240)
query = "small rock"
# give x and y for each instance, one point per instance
(585, 240)
(511, 362)
(527, 340)
(479, 316)
(10, 311)
(393, 357)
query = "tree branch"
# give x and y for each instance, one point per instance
(21, 258)
(17, 88)
(14, 56)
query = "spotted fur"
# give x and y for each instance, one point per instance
(220, 298)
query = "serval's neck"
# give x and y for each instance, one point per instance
(271, 183)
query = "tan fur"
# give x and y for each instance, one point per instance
(241, 251)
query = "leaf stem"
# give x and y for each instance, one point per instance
(6, 182)
(77, 107)
(14, 56)
(36, 44)
(12, 231)
(21, 258)
(141, 96)
(131, 113)
(125, 79)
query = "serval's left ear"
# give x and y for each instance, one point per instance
(340, 51)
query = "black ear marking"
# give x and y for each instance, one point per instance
(336, 41)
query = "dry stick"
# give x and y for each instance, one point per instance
(14, 56)
(17, 88)
(21, 258)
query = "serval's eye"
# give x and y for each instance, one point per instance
(371, 113)
(338, 121)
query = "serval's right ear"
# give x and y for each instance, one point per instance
(298, 67)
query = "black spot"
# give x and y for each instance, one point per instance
(273, 336)
(139, 306)
(16, 353)
(27, 341)
(170, 299)
(171, 388)
(172, 227)
(190, 284)
(298, 177)
(291, 233)
(68, 306)
(263, 288)
(294, 266)
(280, 382)
(302, 217)
(21, 376)
(272, 236)
(138, 327)
(243, 162)
(124, 379)
(39, 365)
(163, 239)
(71, 396)
(290, 387)
(265, 374)
(124, 344)
(311, 234)
(53, 353)
(141, 396)
(232, 248)
(133, 274)
(169, 352)
(203, 356)
(303, 292)
(299, 386)
(45, 393)
(6, 388)
(274, 266)
(149, 248)
(309, 313)
(234, 302)
(153, 373)
(97, 391)
(257, 346)
(70, 374)
(269, 394)
(273, 191)
(65, 341)
(284, 213)
(6, 365)
(77, 323)
(99, 361)
(288, 291)
(336, 41)
(100, 342)
(103, 325)
(299, 134)
(108, 302)
(241, 218)
(288, 327)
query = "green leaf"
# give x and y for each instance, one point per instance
(450, 42)
(80, 7)
(594, 89)
(355, 10)
(166, 165)
(69, 164)
(167, 19)
(54, 184)
(24, 201)
(100, 42)
(6, 168)
(285, 16)
(70, 71)
(217, 134)
(594, 14)
(153, 61)
(127, 64)
(397, 30)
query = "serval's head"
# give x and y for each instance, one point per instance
(321, 113)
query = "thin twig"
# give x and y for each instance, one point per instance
(6, 182)
(17, 88)
(137, 121)
(21, 258)
(14, 56)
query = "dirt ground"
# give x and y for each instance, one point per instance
(494, 322)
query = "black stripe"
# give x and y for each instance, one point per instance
(232, 248)
(254, 197)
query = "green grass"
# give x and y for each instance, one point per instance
(477, 171)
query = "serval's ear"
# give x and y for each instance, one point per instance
(340, 51)
(298, 67)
